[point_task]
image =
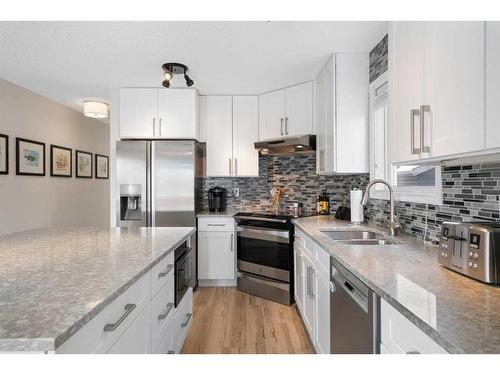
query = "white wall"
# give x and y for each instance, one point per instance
(29, 201)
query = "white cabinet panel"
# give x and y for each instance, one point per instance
(299, 109)
(138, 113)
(492, 84)
(271, 115)
(216, 256)
(299, 278)
(309, 306)
(183, 320)
(457, 105)
(219, 136)
(162, 311)
(245, 133)
(137, 338)
(322, 321)
(178, 113)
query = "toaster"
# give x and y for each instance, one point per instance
(472, 249)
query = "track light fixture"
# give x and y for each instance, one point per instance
(169, 69)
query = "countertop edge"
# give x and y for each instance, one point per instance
(54, 344)
(427, 329)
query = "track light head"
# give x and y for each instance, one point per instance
(169, 69)
(189, 81)
(166, 83)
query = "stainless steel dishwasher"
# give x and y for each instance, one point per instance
(353, 313)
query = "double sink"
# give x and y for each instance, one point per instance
(356, 237)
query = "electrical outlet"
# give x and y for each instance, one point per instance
(236, 192)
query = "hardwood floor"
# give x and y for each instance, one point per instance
(229, 321)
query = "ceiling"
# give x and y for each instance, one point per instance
(73, 61)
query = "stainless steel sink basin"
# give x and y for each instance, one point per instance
(366, 242)
(340, 235)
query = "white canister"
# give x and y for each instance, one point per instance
(357, 216)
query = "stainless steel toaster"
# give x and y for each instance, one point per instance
(472, 249)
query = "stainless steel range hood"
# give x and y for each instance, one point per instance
(300, 144)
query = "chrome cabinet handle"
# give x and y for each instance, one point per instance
(423, 110)
(110, 327)
(286, 125)
(188, 318)
(232, 242)
(160, 126)
(413, 352)
(312, 284)
(413, 149)
(154, 126)
(281, 127)
(216, 225)
(164, 314)
(332, 287)
(171, 352)
(165, 273)
(230, 165)
(308, 283)
(235, 166)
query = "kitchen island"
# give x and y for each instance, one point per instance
(54, 282)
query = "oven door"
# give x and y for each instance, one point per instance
(264, 252)
(183, 275)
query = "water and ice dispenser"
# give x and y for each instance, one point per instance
(130, 202)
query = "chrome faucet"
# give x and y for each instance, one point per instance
(394, 225)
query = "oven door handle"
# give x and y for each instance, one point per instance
(264, 234)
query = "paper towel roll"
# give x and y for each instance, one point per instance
(357, 216)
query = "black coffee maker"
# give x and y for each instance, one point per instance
(217, 197)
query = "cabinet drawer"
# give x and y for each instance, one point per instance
(162, 311)
(116, 317)
(137, 337)
(305, 244)
(400, 336)
(216, 224)
(161, 272)
(183, 319)
(322, 261)
(167, 345)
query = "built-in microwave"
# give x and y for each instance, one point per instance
(184, 276)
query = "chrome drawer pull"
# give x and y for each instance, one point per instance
(185, 324)
(216, 225)
(164, 314)
(165, 273)
(171, 352)
(110, 327)
(413, 352)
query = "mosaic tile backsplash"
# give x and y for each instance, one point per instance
(470, 192)
(379, 59)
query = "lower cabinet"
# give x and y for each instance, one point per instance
(309, 307)
(299, 279)
(137, 338)
(322, 299)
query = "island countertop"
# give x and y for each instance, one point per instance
(53, 281)
(460, 314)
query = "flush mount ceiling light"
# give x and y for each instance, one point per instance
(169, 69)
(95, 109)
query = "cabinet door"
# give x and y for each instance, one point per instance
(216, 256)
(178, 113)
(245, 133)
(407, 42)
(272, 115)
(457, 102)
(309, 303)
(299, 109)
(137, 338)
(492, 84)
(219, 135)
(138, 113)
(298, 279)
(322, 319)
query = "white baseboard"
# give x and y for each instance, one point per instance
(231, 282)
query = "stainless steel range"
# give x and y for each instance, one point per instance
(265, 255)
(472, 249)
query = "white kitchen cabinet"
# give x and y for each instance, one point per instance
(322, 309)
(216, 250)
(137, 338)
(286, 112)
(299, 109)
(436, 109)
(219, 135)
(342, 115)
(309, 305)
(272, 115)
(245, 133)
(138, 113)
(178, 113)
(298, 279)
(158, 113)
(183, 320)
(400, 336)
(492, 84)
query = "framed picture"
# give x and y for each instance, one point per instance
(83, 164)
(60, 161)
(4, 154)
(101, 166)
(30, 157)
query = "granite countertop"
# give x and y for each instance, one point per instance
(460, 314)
(206, 213)
(53, 281)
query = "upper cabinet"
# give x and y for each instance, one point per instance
(286, 112)
(342, 115)
(437, 89)
(230, 126)
(158, 113)
(492, 84)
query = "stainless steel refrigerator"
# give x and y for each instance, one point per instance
(159, 183)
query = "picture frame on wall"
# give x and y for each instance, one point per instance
(4, 154)
(83, 164)
(30, 157)
(101, 166)
(61, 160)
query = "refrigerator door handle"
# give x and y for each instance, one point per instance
(152, 190)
